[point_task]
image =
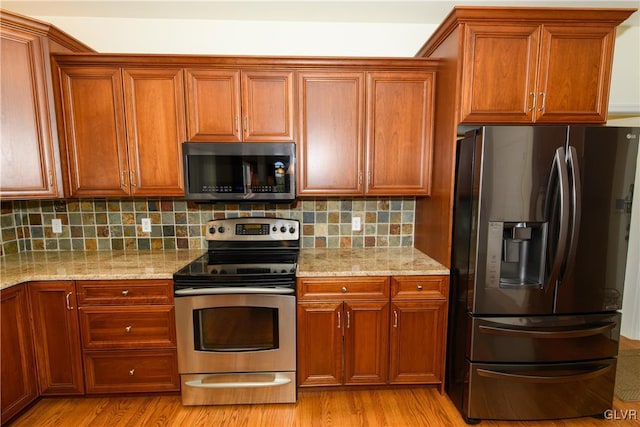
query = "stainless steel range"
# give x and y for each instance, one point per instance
(236, 314)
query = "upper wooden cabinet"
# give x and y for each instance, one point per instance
(536, 73)
(347, 148)
(510, 65)
(123, 130)
(29, 162)
(232, 105)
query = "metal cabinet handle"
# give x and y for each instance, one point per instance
(127, 329)
(237, 123)
(132, 371)
(360, 178)
(544, 101)
(395, 318)
(419, 287)
(348, 319)
(245, 122)
(133, 178)
(344, 289)
(533, 101)
(339, 321)
(125, 292)
(122, 178)
(68, 298)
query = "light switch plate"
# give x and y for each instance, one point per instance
(146, 225)
(56, 225)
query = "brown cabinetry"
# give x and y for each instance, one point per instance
(343, 331)
(123, 130)
(128, 336)
(29, 161)
(536, 72)
(232, 105)
(346, 149)
(508, 65)
(56, 334)
(418, 329)
(19, 386)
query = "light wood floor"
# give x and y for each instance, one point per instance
(418, 406)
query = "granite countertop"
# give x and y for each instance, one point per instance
(110, 265)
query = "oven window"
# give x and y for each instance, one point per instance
(235, 329)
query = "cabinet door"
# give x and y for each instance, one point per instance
(18, 372)
(95, 136)
(56, 331)
(213, 105)
(575, 73)
(267, 106)
(499, 73)
(28, 159)
(417, 341)
(366, 342)
(155, 117)
(320, 343)
(399, 133)
(331, 117)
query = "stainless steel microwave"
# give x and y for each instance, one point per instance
(239, 172)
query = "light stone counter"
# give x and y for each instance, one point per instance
(92, 265)
(110, 265)
(367, 262)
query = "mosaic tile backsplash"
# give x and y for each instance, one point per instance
(178, 224)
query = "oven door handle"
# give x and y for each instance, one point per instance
(277, 381)
(233, 290)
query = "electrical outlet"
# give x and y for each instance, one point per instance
(355, 224)
(56, 225)
(146, 225)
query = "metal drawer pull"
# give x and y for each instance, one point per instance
(127, 329)
(348, 319)
(344, 289)
(68, 298)
(419, 287)
(339, 322)
(395, 318)
(125, 292)
(277, 381)
(132, 371)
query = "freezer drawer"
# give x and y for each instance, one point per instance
(535, 392)
(544, 338)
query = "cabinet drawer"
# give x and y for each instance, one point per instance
(420, 287)
(343, 288)
(128, 327)
(124, 292)
(131, 371)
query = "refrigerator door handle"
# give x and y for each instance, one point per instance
(576, 207)
(541, 333)
(544, 379)
(559, 164)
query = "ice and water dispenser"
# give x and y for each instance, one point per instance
(516, 254)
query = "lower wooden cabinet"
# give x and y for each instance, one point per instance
(57, 338)
(18, 385)
(128, 336)
(372, 330)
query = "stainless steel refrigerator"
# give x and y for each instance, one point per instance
(540, 230)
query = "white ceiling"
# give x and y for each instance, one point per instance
(415, 11)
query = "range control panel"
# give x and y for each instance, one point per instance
(253, 229)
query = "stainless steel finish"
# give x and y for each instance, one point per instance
(563, 178)
(234, 290)
(282, 359)
(228, 225)
(576, 212)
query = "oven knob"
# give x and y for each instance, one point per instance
(274, 229)
(292, 230)
(221, 229)
(212, 230)
(283, 228)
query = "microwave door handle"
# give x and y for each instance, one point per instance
(560, 165)
(576, 203)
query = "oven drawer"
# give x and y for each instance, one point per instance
(124, 292)
(131, 371)
(227, 389)
(545, 391)
(431, 287)
(341, 288)
(127, 327)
